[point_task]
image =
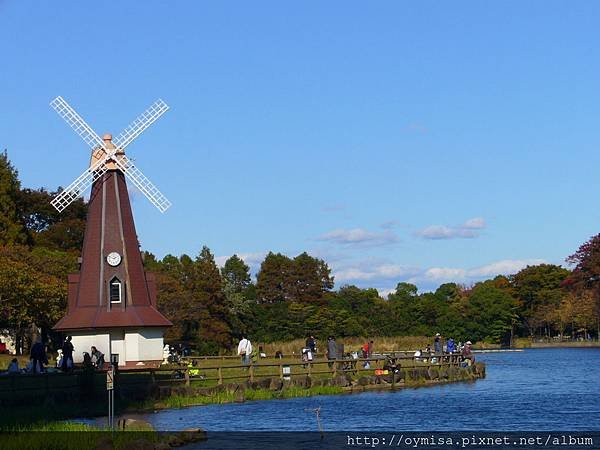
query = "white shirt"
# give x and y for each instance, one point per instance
(244, 347)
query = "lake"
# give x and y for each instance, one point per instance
(537, 389)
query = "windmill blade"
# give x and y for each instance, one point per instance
(81, 183)
(143, 121)
(77, 123)
(142, 183)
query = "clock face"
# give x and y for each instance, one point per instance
(113, 259)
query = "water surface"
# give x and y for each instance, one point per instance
(538, 389)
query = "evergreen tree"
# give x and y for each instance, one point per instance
(12, 228)
(213, 315)
(236, 274)
(310, 278)
(274, 280)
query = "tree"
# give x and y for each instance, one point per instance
(236, 274)
(274, 279)
(535, 288)
(404, 291)
(207, 290)
(49, 228)
(238, 293)
(33, 288)
(311, 278)
(12, 229)
(490, 313)
(587, 262)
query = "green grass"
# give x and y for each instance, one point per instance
(68, 436)
(179, 401)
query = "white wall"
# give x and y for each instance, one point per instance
(83, 341)
(151, 344)
(117, 343)
(144, 344)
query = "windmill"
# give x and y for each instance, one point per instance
(108, 154)
(112, 300)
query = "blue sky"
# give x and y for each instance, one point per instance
(424, 142)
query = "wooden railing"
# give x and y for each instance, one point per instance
(220, 374)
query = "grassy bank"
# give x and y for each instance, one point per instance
(179, 401)
(70, 436)
(528, 343)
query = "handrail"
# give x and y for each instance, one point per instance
(252, 371)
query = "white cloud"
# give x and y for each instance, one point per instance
(253, 260)
(504, 267)
(443, 274)
(385, 276)
(359, 236)
(375, 272)
(476, 223)
(468, 230)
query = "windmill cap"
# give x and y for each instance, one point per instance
(107, 137)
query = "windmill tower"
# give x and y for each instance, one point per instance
(112, 300)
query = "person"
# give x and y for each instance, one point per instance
(245, 350)
(97, 358)
(59, 358)
(331, 350)
(450, 345)
(87, 361)
(365, 350)
(67, 350)
(311, 344)
(467, 353)
(38, 357)
(13, 367)
(437, 343)
(418, 354)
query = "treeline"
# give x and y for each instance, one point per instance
(212, 307)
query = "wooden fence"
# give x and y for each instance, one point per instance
(189, 373)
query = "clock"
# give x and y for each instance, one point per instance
(113, 259)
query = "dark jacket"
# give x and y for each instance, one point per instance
(331, 349)
(67, 349)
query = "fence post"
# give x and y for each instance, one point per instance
(251, 372)
(309, 368)
(187, 376)
(220, 375)
(152, 376)
(334, 368)
(280, 371)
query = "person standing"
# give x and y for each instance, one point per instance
(467, 353)
(331, 350)
(437, 344)
(450, 346)
(67, 349)
(245, 350)
(38, 357)
(311, 344)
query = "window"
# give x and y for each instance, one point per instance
(115, 291)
